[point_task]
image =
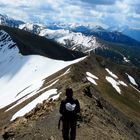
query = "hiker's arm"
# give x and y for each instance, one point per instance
(61, 110)
(78, 107)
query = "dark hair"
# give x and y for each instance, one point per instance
(69, 92)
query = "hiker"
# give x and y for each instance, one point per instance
(69, 108)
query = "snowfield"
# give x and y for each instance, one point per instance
(22, 76)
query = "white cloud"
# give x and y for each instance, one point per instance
(109, 12)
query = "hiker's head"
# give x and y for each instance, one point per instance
(69, 92)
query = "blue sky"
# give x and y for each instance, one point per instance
(96, 12)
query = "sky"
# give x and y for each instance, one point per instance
(107, 13)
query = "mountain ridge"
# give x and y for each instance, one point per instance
(29, 43)
(115, 115)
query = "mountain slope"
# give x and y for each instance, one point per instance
(74, 41)
(22, 76)
(108, 92)
(119, 53)
(114, 36)
(29, 43)
(5, 20)
(131, 32)
(134, 33)
(106, 112)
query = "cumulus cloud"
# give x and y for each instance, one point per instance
(103, 12)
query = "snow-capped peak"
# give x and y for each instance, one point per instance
(5, 20)
(72, 40)
(5, 42)
(30, 27)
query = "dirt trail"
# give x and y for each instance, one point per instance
(98, 123)
(46, 127)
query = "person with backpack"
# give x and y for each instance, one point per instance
(69, 108)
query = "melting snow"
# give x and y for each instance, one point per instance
(32, 93)
(92, 80)
(111, 73)
(126, 60)
(27, 72)
(132, 80)
(91, 75)
(33, 104)
(114, 83)
(23, 75)
(49, 85)
(66, 72)
(122, 83)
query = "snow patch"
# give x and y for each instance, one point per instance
(66, 72)
(111, 73)
(91, 80)
(114, 83)
(126, 60)
(132, 80)
(91, 75)
(123, 83)
(48, 86)
(30, 94)
(33, 104)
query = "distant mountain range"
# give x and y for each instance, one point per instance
(5, 20)
(29, 43)
(116, 46)
(84, 38)
(131, 32)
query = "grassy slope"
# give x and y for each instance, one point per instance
(127, 102)
(133, 52)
